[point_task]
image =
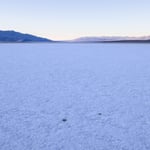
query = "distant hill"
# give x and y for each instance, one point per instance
(106, 39)
(17, 37)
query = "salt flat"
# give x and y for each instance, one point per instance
(74, 97)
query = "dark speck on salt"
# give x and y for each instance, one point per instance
(64, 120)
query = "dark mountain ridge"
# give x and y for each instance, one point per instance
(13, 36)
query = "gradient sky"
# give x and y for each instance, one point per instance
(68, 19)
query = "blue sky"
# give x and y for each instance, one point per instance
(68, 19)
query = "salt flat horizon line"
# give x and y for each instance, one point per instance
(91, 37)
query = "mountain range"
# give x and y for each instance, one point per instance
(111, 39)
(17, 37)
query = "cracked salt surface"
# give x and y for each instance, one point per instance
(74, 96)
